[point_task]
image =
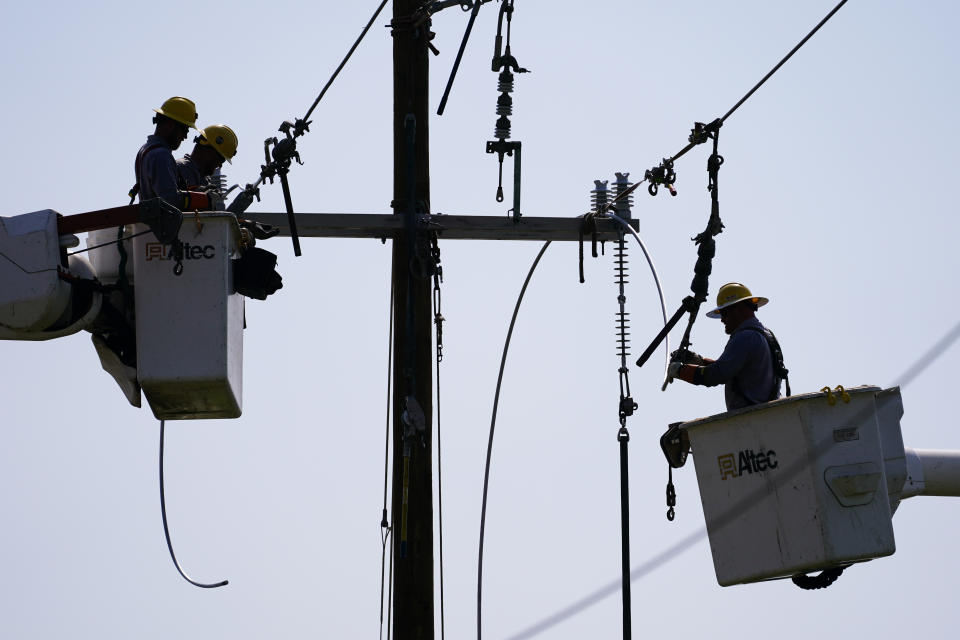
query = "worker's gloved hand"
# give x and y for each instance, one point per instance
(217, 202)
(673, 370)
(686, 356)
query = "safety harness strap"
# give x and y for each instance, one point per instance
(138, 169)
(780, 370)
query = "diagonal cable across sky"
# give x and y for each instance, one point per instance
(938, 349)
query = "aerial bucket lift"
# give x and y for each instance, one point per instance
(37, 299)
(167, 321)
(806, 483)
(190, 327)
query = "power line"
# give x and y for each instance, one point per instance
(107, 244)
(666, 556)
(696, 537)
(496, 398)
(781, 63)
(166, 529)
(385, 527)
(610, 588)
(719, 121)
(493, 422)
(716, 124)
(344, 61)
(931, 356)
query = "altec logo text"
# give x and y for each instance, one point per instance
(746, 462)
(158, 251)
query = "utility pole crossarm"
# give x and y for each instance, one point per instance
(450, 227)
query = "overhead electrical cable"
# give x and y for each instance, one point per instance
(496, 396)
(166, 530)
(719, 121)
(109, 244)
(493, 422)
(700, 134)
(781, 63)
(386, 448)
(302, 125)
(675, 550)
(383, 560)
(344, 61)
(385, 528)
(438, 322)
(928, 358)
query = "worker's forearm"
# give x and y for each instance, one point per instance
(692, 373)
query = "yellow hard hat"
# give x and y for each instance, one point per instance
(732, 293)
(220, 137)
(182, 110)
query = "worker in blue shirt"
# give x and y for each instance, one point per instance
(215, 144)
(751, 366)
(155, 168)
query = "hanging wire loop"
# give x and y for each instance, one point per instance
(493, 422)
(166, 529)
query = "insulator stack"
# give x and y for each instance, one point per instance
(621, 262)
(502, 130)
(624, 205)
(599, 195)
(505, 81)
(218, 181)
(504, 105)
(621, 267)
(623, 335)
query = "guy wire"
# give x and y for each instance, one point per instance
(385, 527)
(439, 476)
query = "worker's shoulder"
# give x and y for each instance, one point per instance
(750, 332)
(154, 146)
(152, 150)
(156, 154)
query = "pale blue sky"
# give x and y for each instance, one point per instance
(838, 193)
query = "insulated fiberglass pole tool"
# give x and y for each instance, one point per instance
(277, 162)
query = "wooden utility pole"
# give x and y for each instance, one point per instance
(412, 504)
(411, 515)
(413, 561)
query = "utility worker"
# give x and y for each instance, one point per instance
(254, 272)
(215, 144)
(751, 366)
(155, 168)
